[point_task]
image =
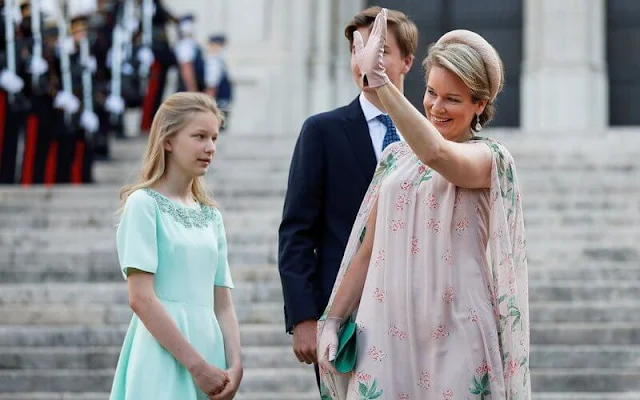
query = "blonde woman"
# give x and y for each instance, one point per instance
(183, 341)
(435, 270)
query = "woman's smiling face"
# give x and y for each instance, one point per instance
(449, 105)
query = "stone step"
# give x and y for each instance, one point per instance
(105, 396)
(292, 380)
(262, 222)
(107, 357)
(302, 380)
(97, 199)
(54, 396)
(272, 334)
(260, 243)
(237, 181)
(43, 273)
(47, 198)
(233, 147)
(109, 272)
(581, 312)
(77, 336)
(600, 205)
(588, 380)
(555, 253)
(34, 294)
(266, 219)
(219, 168)
(605, 271)
(101, 314)
(552, 314)
(601, 357)
(584, 291)
(586, 396)
(238, 234)
(543, 296)
(621, 357)
(99, 254)
(571, 334)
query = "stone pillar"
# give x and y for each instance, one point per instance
(564, 85)
(346, 89)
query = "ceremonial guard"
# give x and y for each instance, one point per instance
(163, 59)
(14, 105)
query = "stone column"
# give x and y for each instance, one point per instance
(319, 57)
(564, 85)
(346, 89)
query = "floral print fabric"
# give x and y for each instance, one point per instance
(444, 310)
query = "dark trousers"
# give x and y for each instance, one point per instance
(101, 139)
(39, 133)
(153, 98)
(75, 158)
(11, 124)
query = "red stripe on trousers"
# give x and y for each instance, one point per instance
(3, 115)
(30, 150)
(150, 99)
(76, 167)
(52, 163)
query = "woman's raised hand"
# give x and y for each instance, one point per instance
(370, 58)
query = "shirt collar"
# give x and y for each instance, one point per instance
(369, 110)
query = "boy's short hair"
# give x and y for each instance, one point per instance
(405, 30)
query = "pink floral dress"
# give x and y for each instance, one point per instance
(444, 310)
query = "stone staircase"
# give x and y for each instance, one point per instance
(63, 303)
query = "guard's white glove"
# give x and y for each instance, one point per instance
(127, 69)
(68, 45)
(134, 25)
(328, 343)
(145, 56)
(89, 121)
(185, 51)
(91, 64)
(10, 81)
(114, 104)
(67, 102)
(62, 98)
(72, 105)
(38, 66)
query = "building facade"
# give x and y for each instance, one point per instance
(571, 65)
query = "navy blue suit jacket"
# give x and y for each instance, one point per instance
(331, 168)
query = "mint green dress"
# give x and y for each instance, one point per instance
(186, 250)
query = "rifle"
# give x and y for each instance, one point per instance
(87, 87)
(37, 38)
(10, 37)
(116, 64)
(147, 39)
(65, 66)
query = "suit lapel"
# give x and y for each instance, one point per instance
(357, 132)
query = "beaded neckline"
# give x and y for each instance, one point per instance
(186, 216)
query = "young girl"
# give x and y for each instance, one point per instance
(183, 341)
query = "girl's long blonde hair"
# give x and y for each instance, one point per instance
(173, 115)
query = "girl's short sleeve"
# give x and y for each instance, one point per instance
(136, 236)
(223, 273)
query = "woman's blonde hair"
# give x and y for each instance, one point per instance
(173, 115)
(468, 65)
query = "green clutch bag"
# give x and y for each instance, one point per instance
(345, 360)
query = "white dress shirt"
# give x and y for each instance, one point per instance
(377, 129)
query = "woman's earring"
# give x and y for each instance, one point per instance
(478, 126)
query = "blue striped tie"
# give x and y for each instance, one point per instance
(392, 134)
